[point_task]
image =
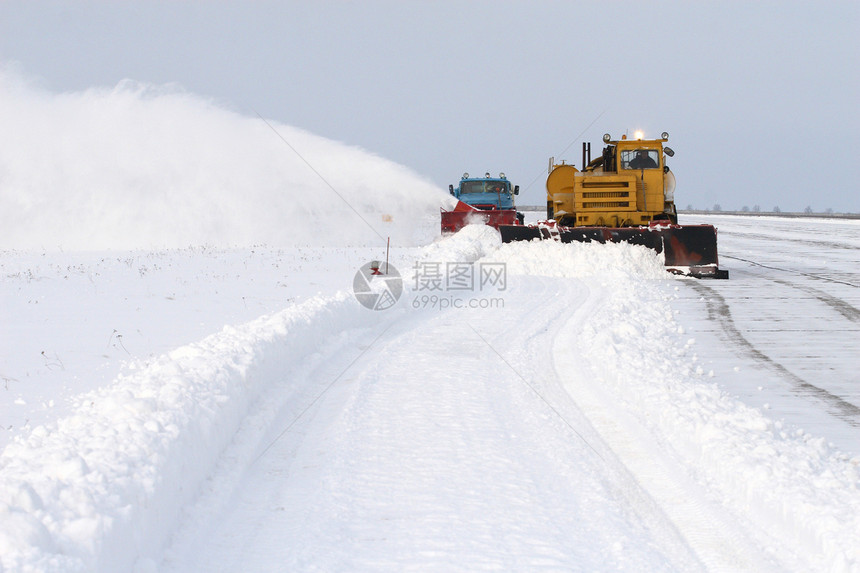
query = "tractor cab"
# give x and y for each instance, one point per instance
(627, 185)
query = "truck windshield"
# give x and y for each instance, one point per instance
(483, 187)
(640, 159)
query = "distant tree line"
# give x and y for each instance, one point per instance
(717, 208)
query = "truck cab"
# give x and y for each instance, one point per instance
(485, 200)
(486, 193)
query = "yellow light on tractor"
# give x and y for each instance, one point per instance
(638, 134)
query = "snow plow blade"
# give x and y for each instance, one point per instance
(463, 214)
(687, 249)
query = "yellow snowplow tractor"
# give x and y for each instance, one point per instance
(627, 194)
(628, 185)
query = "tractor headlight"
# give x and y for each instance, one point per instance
(465, 175)
(607, 138)
(501, 175)
(665, 135)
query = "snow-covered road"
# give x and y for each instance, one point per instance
(604, 417)
(791, 313)
(448, 444)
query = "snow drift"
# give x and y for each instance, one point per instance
(141, 166)
(98, 488)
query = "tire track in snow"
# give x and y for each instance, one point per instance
(279, 421)
(757, 237)
(719, 311)
(816, 276)
(718, 539)
(842, 307)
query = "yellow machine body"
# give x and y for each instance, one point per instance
(628, 185)
(626, 195)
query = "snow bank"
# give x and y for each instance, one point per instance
(797, 488)
(139, 166)
(100, 488)
(467, 245)
(547, 258)
(576, 260)
(97, 490)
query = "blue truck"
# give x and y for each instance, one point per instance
(488, 200)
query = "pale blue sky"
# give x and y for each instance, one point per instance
(760, 98)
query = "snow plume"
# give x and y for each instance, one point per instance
(140, 166)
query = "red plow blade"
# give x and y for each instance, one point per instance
(463, 214)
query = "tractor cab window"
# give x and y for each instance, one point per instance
(640, 159)
(483, 187)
